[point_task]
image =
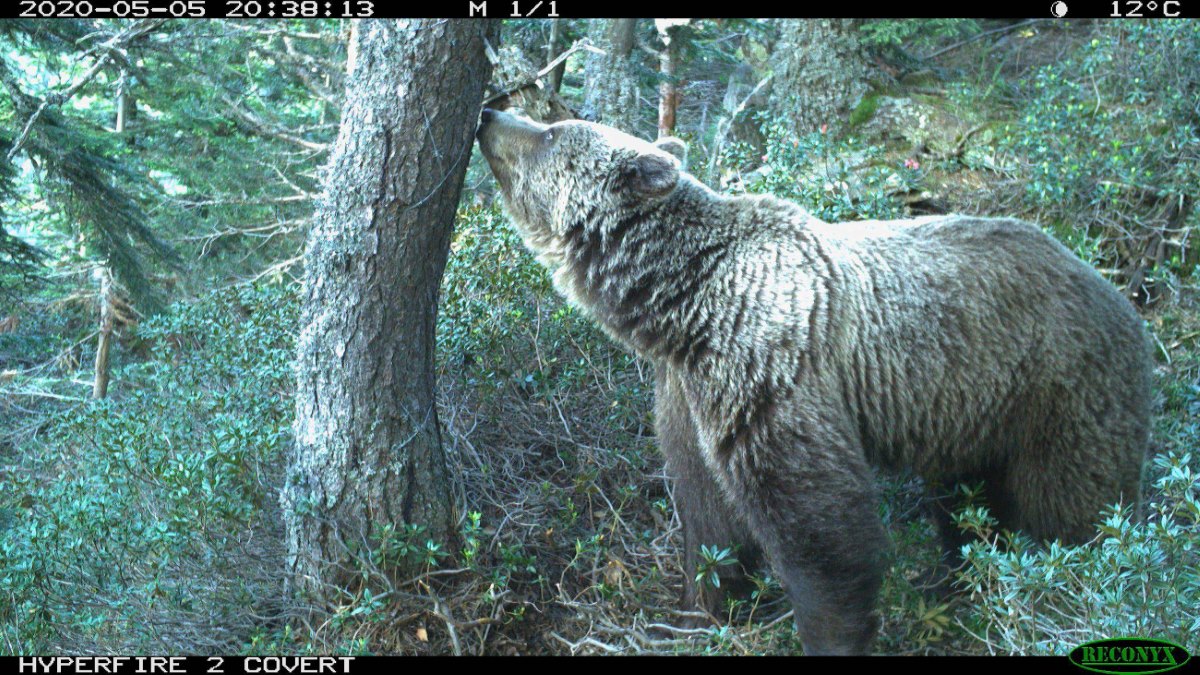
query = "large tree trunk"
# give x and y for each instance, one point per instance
(673, 33)
(821, 74)
(126, 108)
(610, 85)
(104, 341)
(368, 450)
(553, 48)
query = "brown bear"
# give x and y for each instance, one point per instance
(792, 355)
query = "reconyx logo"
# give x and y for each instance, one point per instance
(1120, 656)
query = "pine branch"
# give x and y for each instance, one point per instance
(109, 50)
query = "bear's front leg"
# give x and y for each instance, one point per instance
(705, 514)
(810, 500)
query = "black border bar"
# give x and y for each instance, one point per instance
(598, 9)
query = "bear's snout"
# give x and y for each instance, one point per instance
(484, 118)
(491, 118)
(506, 138)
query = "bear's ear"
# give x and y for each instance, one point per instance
(673, 146)
(653, 175)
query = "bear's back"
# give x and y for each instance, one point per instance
(968, 323)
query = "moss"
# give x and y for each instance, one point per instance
(865, 109)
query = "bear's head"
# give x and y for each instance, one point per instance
(565, 175)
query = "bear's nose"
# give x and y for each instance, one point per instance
(487, 115)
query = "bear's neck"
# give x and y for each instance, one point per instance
(649, 276)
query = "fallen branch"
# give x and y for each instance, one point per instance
(961, 143)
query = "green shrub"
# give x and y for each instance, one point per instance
(890, 35)
(501, 323)
(1137, 579)
(1110, 141)
(148, 521)
(834, 179)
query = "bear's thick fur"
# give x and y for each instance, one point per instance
(792, 355)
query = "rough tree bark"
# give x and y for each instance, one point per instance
(610, 83)
(821, 74)
(368, 449)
